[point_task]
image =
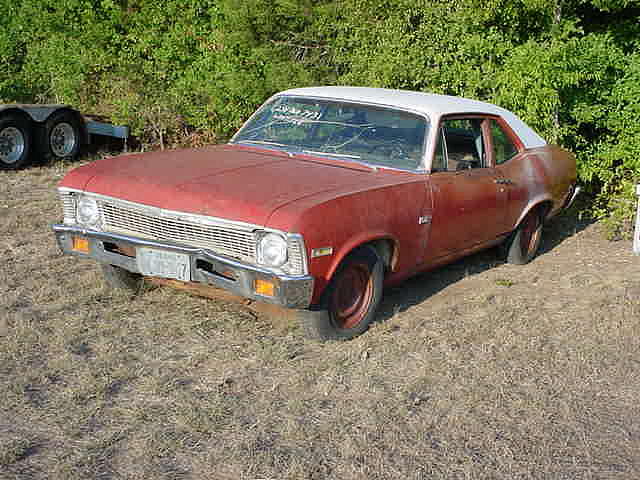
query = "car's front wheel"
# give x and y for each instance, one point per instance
(525, 241)
(349, 305)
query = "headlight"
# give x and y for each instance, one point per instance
(87, 212)
(272, 250)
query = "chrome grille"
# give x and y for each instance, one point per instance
(143, 222)
(234, 239)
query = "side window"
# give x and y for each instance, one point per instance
(440, 159)
(503, 147)
(460, 145)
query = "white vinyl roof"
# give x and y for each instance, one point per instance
(432, 105)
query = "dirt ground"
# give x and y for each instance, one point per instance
(476, 370)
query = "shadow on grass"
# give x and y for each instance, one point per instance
(420, 288)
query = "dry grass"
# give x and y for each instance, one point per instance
(478, 370)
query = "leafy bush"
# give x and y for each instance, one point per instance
(617, 207)
(194, 69)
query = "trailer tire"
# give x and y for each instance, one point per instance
(15, 142)
(62, 136)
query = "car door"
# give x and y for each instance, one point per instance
(512, 168)
(469, 200)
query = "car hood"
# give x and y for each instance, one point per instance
(227, 181)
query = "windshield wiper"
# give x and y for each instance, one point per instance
(264, 142)
(341, 155)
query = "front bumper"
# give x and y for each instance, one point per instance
(206, 267)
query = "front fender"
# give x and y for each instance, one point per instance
(357, 241)
(346, 221)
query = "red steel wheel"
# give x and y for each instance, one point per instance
(352, 295)
(350, 301)
(531, 232)
(525, 240)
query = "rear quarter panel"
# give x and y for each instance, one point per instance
(560, 168)
(543, 174)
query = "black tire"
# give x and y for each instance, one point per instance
(15, 142)
(350, 301)
(525, 240)
(121, 279)
(62, 136)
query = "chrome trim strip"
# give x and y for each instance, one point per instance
(576, 191)
(357, 102)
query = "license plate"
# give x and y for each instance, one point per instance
(162, 263)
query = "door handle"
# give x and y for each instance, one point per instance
(503, 181)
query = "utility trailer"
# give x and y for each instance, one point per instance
(46, 132)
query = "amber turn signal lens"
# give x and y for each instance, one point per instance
(264, 287)
(81, 244)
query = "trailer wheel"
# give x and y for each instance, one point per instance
(62, 136)
(15, 142)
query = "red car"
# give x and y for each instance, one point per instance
(323, 197)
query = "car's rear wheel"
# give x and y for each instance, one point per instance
(525, 241)
(349, 305)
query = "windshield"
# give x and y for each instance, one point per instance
(374, 135)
